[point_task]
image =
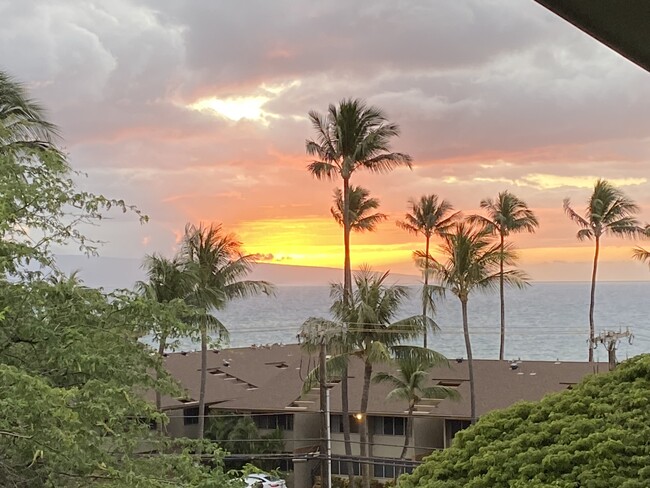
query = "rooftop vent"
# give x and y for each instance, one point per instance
(450, 383)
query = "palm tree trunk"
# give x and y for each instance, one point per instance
(426, 291)
(593, 301)
(347, 267)
(502, 346)
(161, 350)
(347, 295)
(408, 431)
(470, 360)
(204, 366)
(363, 429)
(345, 410)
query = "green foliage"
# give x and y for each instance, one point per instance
(72, 372)
(240, 435)
(595, 436)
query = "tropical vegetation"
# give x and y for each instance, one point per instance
(506, 214)
(609, 212)
(72, 370)
(351, 136)
(472, 263)
(594, 434)
(428, 216)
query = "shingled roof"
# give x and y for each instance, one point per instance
(270, 378)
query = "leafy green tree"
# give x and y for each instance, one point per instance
(428, 216)
(409, 382)
(219, 267)
(40, 204)
(472, 263)
(593, 435)
(609, 212)
(507, 214)
(72, 371)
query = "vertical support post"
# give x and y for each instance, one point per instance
(328, 437)
(324, 409)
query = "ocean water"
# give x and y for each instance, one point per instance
(546, 321)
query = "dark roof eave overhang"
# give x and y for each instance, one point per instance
(622, 25)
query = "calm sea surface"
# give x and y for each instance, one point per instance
(547, 321)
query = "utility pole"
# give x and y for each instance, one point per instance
(610, 339)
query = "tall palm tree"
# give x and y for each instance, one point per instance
(428, 216)
(352, 136)
(361, 206)
(409, 383)
(349, 137)
(609, 212)
(507, 214)
(219, 267)
(167, 280)
(472, 264)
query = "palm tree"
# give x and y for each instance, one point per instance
(351, 136)
(472, 264)
(361, 204)
(371, 333)
(506, 215)
(609, 211)
(428, 217)
(167, 280)
(23, 128)
(219, 268)
(641, 254)
(409, 383)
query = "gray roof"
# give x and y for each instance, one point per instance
(270, 379)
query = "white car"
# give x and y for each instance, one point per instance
(263, 480)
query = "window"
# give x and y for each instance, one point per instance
(340, 467)
(389, 425)
(191, 416)
(390, 469)
(336, 424)
(452, 427)
(272, 422)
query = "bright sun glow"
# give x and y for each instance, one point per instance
(236, 108)
(249, 107)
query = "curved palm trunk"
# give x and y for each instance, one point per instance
(426, 290)
(161, 350)
(204, 363)
(502, 347)
(593, 301)
(363, 429)
(408, 430)
(470, 361)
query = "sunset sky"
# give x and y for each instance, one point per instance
(195, 111)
